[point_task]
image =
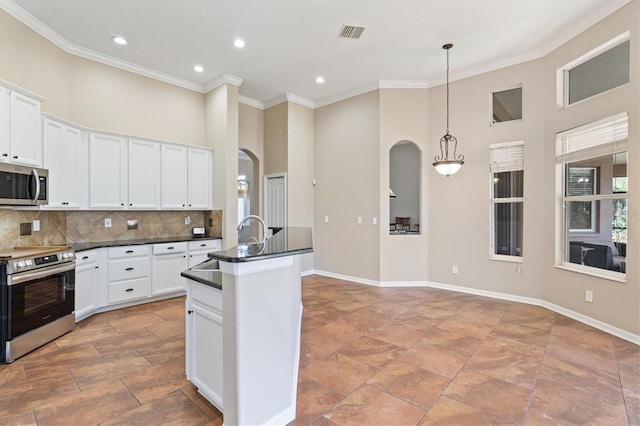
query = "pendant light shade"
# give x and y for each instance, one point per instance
(444, 164)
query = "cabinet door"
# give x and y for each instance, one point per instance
(61, 158)
(204, 351)
(199, 182)
(86, 296)
(25, 141)
(107, 171)
(174, 177)
(166, 273)
(4, 124)
(144, 174)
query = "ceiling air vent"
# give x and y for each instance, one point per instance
(349, 31)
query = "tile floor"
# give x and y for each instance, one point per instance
(369, 356)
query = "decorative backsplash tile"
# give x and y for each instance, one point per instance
(66, 227)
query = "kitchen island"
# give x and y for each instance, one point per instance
(243, 328)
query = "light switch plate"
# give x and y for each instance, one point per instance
(107, 222)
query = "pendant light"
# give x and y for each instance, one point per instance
(443, 164)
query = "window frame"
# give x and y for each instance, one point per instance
(585, 198)
(493, 201)
(618, 143)
(492, 122)
(562, 73)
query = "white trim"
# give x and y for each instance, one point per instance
(265, 183)
(238, 269)
(348, 94)
(220, 80)
(300, 100)
(251, 102)
(20, 90)
(403, 84)
(618, 332)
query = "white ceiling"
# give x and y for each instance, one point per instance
(289, 43)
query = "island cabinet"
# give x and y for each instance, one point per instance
(243, 329)
(204, 341)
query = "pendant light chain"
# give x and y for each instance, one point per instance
(447, 91)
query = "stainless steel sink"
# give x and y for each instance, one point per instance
(207, 265)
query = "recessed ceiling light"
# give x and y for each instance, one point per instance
(198, 68)
(239, 43)
(119, 40)
(319, 79)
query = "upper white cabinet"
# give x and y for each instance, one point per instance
(199, 181)
(20, 129)
(186, 177)
(144, 174)
(62, 148)
(107, 171)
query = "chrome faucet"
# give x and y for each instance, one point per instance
(264, 229)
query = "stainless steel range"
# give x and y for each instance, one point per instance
(37, 286)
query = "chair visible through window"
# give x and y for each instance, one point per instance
(403, 222)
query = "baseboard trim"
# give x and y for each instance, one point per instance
(618, 332)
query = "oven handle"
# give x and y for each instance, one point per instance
(34, 275)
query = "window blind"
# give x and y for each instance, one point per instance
(603, 137)
(506, 157)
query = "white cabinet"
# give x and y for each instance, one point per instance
(87, 281)
(198, 250)
(144, 174)
(129, 273)
(169, 260)
(107, 171)
(20, 129)
(199, 183)
(62, 148)
(203, 345)
(186, 177)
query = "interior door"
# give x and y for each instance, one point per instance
(275, 208)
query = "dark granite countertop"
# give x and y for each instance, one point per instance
(286, 242)
(210, 278)
(158, 240)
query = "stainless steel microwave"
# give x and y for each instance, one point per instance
(23, 185)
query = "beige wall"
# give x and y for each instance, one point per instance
(221, 112)
(347, 158)
(404, 115)
(251, 139)
(95, 95)
(614, 303)
(300, 166)
(275, 138)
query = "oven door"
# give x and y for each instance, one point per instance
(39, 297)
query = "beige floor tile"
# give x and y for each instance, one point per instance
(339, 372)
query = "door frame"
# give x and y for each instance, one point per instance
(265, 207)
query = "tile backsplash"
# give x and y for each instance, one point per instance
(66, 227)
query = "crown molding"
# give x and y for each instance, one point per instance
(300, 100)
(403, 84)
(250, 102)
(220, 80)
(22, 91)
(38, 26)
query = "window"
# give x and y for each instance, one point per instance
(506, 105)
(507, 200)
(591, 164)
(604, 68)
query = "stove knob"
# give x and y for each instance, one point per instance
(65, 255)
(20, 264)
(28, 262)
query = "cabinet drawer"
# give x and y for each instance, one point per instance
(129, 251)
(126, 269)
(169, 248)
(86, 257)
(211, 245)
(205, 296)
(129, 290)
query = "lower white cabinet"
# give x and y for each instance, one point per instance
(169, 260)
(198, 250)
(129, 273)
(87, 281)
(204, 340)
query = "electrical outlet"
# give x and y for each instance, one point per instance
(359, 220)
(374, 221)
(454, 269)
(187, 220)
(107, 222)
(36, 225)
(588, 296)
(326, 219)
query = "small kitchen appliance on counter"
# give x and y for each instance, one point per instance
(198, 232)
(37, 289)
